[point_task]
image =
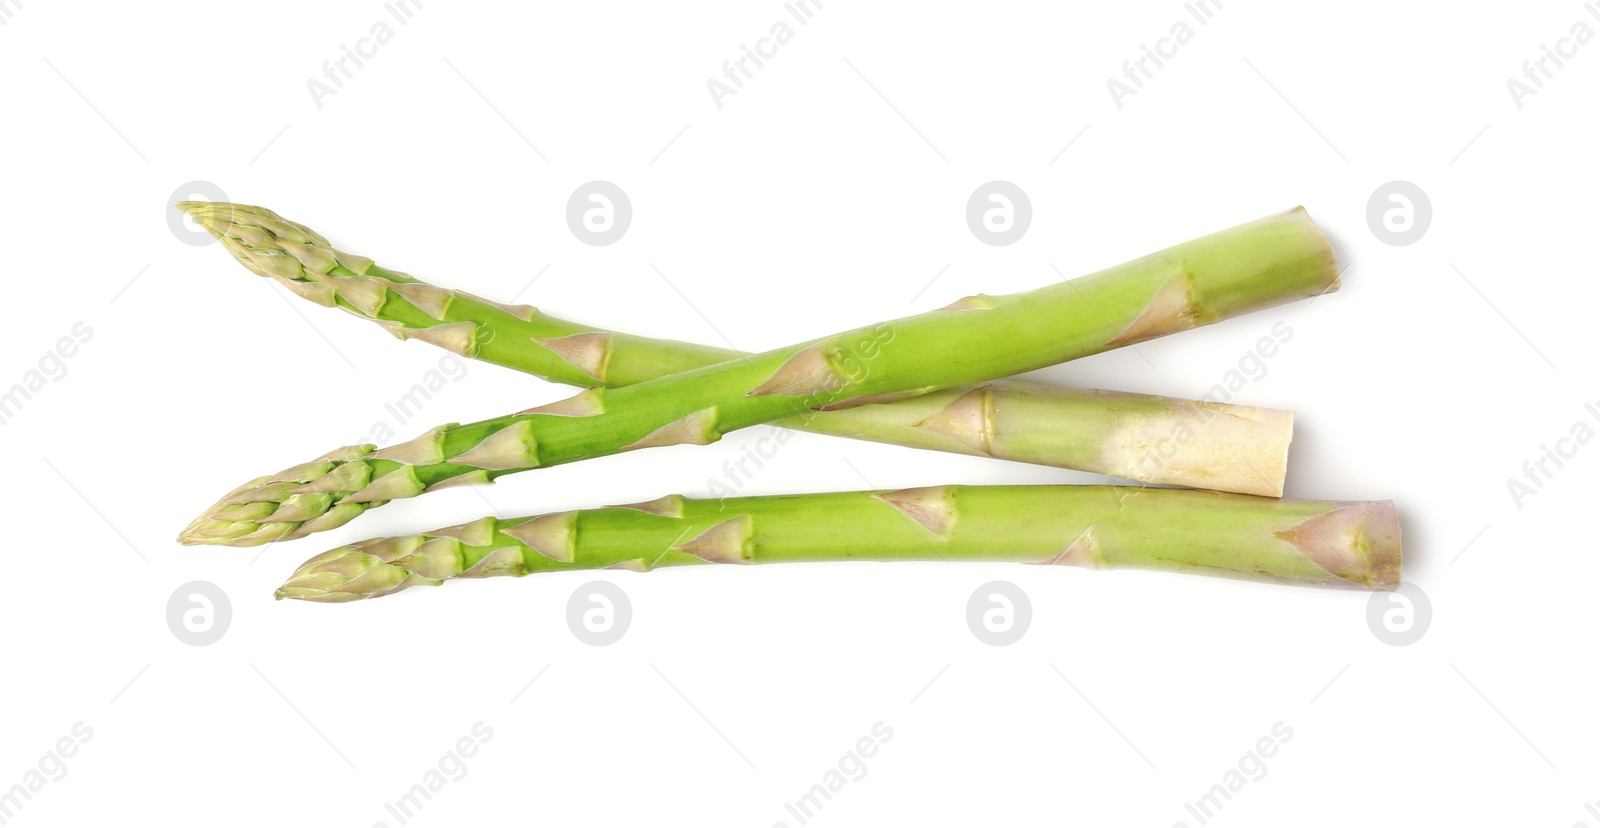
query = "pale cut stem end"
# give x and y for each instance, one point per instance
(1385, 554)
(1225, 448)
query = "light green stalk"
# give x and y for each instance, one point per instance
(1139, 437)
(1349, 544)
(1253, 266)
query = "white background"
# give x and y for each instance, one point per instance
(826, 194)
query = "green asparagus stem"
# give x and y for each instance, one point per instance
(1349, 544)
(1253, 266)
(1145, 438)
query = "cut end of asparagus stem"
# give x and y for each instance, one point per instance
(1225, 448)
(1358, 542)
(1384, 551)
(1239, 449)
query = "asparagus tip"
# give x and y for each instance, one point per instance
(348, 573)
(212, 216)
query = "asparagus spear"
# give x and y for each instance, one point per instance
(1350, 544)
(1253, 266)
(1145, 438)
